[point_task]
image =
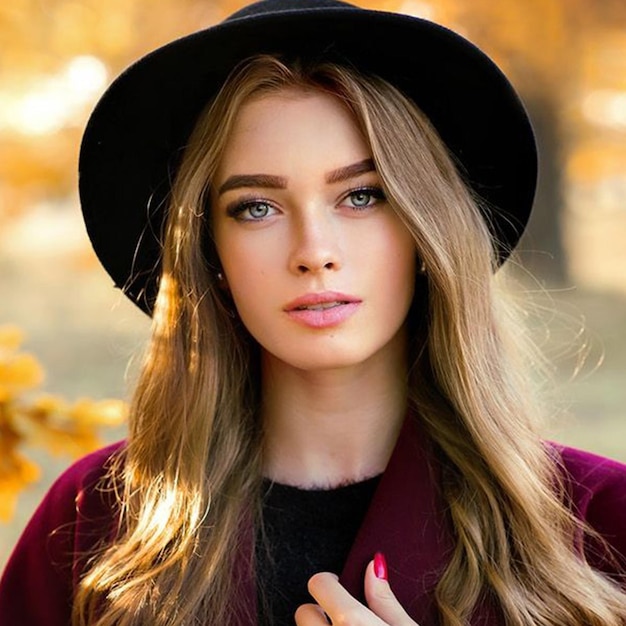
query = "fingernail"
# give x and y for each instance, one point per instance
(380, 566)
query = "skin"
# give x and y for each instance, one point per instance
(297, 209)
(333, 600)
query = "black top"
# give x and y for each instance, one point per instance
(305, 531)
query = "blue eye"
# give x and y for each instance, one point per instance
(361, 198)
(258, 209)
(365, 197)
(251, 210)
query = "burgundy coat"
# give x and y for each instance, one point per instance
(406, 521)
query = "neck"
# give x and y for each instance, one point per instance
(330, 427)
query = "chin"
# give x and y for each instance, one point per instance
(325, 360)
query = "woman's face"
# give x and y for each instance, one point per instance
(320, 268)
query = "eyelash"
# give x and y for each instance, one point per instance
(236, 211)
(376, 193)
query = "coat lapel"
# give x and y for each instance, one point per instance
(406, 521)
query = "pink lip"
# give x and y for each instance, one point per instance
(322, 318)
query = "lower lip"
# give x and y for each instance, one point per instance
(324, 318)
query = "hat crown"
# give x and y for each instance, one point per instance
(138, 131)
(268, 7)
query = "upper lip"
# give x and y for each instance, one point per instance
(311, 299)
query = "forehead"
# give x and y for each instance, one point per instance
(295, 124)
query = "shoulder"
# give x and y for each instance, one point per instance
(76, 513)
(80, 502)
(78, 493)
(597, 489)
(79, 497)
(591, 476)
(78, 482)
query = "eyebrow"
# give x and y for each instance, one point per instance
(350, 171)
(268, 181)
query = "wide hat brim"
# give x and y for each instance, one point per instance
(136, 134)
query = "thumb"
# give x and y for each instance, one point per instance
(380, 598)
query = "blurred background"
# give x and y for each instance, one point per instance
(567, 58)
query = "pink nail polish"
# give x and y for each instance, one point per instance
(380, 566)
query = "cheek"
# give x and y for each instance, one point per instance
(400, 281)
(244, 281)
(394, 255)
(237, 256)
(248, 270)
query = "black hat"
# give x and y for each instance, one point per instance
(134, 138)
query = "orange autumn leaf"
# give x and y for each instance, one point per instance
(103, 412)
(47, 421)
(65, 442)
(16, 473)
(48, 405)
(11, 338)
(19, 372)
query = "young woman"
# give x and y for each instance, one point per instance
(332, 423)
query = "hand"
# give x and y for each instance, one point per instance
(383, 609)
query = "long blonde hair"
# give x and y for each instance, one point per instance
(190, 475)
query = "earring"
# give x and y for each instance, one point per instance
(422, 269)
(220, 276)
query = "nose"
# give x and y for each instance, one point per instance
(316, 244)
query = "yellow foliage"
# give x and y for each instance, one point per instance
(106, 412)
(11, 338)
(50, 422)
(16, 473)
(19, 372)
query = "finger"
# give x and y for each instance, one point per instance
(310, 615)
(339, 605)
(380, 598)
